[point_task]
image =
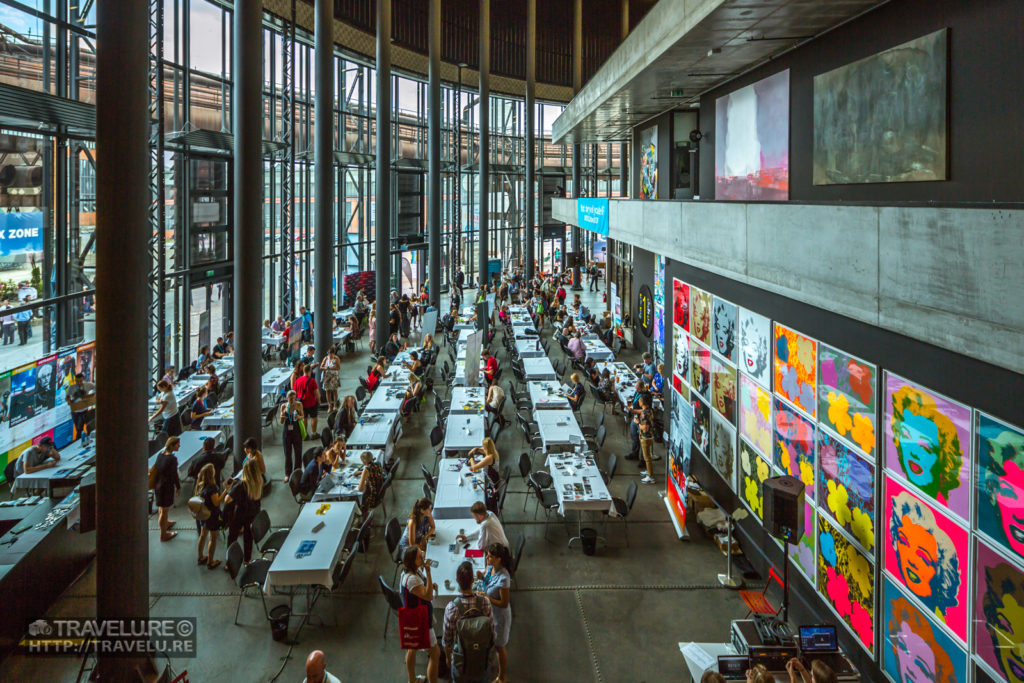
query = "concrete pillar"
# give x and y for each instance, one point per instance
(382, 241)
(531, 162)
(577, 83)
(247, 128)
(434, 154)
(122, 334)
(624, 148)
(323, 169)
(485, 134)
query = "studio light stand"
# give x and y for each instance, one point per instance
(727, 579)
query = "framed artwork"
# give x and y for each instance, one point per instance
(846, 488)
(649, 163)
(755, 415)
(928, 443)
(723, 448)
(701, 424)
(846, 397)
(926, 553)
(723, 389)
(680, 353)
(700, 318)
(794, 445)
(846, 579)
(681, 304)
(700, 369)
(680, 439)
(753, 470)
(680, 386)
(723, 330)
(801, 553)
(999, 615)
(914, 649)
(755, 347)
(796, 357)
(1000, 495)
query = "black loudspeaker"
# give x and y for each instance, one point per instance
(784, 508)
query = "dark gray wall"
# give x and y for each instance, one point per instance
(643, 274)
(986, 68)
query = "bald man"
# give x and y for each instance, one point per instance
(316, 669)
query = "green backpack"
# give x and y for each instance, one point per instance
(474, 641)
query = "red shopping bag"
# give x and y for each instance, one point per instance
(414, 627)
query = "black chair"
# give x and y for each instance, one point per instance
(327, 436)
(525, 465)
(360, 540)
(609, 471)
(392, 538)
(294, 481)
(310, 455)
(253, 576)
(270, 419)
(393, 599)
(361, 392)
(595, 394)
(546, 496)
(429, 478)
(517, 554)
(260, 527)
(341, 572)
(623, 507)
(501, 500)
(596, 442)
(592, 430)
(274, 542)
(493, 431)
(427, 493)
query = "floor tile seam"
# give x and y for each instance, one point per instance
(589, 636)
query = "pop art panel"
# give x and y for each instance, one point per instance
(756, 415)
(700, 315)
(723, 448)
(753, 470)
(723, 389)
(680, 354)
(846, 579)
(1000, 495)
(794, 451)
(915, 649)
(846, 397)
(796, 357)
(926, 553)
(723, 330)
(801, 553)
(928, 443)
(701, 425)
(756, 347)
(700, 369)
(999, 614)
(846, 488)
(681, 304)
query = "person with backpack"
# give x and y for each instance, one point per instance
(207, 514)
(418, 589)
(468, 637)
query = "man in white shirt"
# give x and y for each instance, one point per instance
(489, 531)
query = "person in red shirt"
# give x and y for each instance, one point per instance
(308, 392)
(490, 366)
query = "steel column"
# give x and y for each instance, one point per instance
(577, 83)
(247, 129)
(485, 136)
(434, 155)
(382, 229)
(122, 256)
(530, 104)
(623, 148)
(323, 168)
(288, 308)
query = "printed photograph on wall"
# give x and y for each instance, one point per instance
(700, 369)
(679, 440)
(723, 448)
(752, 150)
(649, 163)
(926, 552)
(846, 579)
(700, 318)
(846, 488)
(681, 304)
(701, 425)
(680, 354)
(801, 553)
(756, 415)
(753, 471)
(1000, 496)
(928, 442)
(796, 357)
(22, 404)
(723, 389)
(882, 119)
(794, 445)
(846, 397)
(755, 347)
(723, 330)
(914, 650)
(999, 615)
(659, 308)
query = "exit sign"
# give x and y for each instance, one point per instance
(678, 92)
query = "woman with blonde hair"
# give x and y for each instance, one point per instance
(488, 463)
(243, 500)
(207, 489)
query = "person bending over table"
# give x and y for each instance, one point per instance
(377, 373)
(42, 456)
(208, 489)
(347, 417)
(576, 395)
(419, 527)
(168, 409)
(242, 502)
(645, 369)
(418, 588)
(166, 486)
(492, 403)
(489, 530)
(220, 349)
(497, 587)
(371, 482)
(759, 674)
(290, 415)
(466, 600)
(334, 457)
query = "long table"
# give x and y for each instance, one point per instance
(539, 369)
(440, 550)
(579, 486)
(453, 499)
(190, 445)
(343, 483)
(467, 400)
(376, 431)
(547, 395)
(75, 460)
(529, 348)
(313, 565)
(557, 427)
(464, 431)
(598, 351)
(386, 399)
(276, 379)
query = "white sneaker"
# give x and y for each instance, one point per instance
(646, 480)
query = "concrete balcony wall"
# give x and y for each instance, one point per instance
(952, 277)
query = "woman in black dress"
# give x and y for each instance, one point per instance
(207, 489)
(243, 501)
(404, 304)
(167, 486)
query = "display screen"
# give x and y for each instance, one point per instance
(818, 639)
(733, 666)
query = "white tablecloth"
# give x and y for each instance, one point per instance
(315, 567)
(571, 476)
(598, 351)
(468, 400)
(376, 430)
(452, 500)
(465, 431)
(545, 395)
(448, 562)
(529, 348)
(386, 399)
(395, 374)
(343, 484)
(556, 427)
(275, 380)
(538, 369)
(71, 457)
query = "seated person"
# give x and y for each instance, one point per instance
(504, 316)
(207, 457)
(200, 408)
(212, 384)
(229, 341)
(492, 403)
(220, 349)
(371, 483)
(413, 364)
(584, 312)
(313, 473)
(335, 455)
(658, 381)
(577, 349)
(576, 395)
(490, 529)
(645, 369)
(376, 375)
(392, 347)
(42, 456)
(279, 325)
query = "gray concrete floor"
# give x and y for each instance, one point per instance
(615, 616)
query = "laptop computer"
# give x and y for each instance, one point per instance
(733, 667)
(820, 642)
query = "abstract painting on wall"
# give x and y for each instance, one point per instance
(723, 448)
(756, 415)
(846, 488)
(701, 424)
(846, 579)
(801, 553)
(882, 119)
(913, 648)
(926, 552)
(700, 315)
(753, 471)
(681, 304)
(1000, 496)
(649, 163)
(700, 369)
(928, 442)
(796, 357)
(680, 355)
(999, 615)
(723, 329)
(723, 389)
(794, 445)
(755, 347)
(846, 397)
(752, 152)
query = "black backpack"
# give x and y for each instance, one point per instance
(474, 642)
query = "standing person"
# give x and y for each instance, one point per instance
(243, 500)
(308, 392)
(490, 366)
(307, 323)
(252, 452)
(460, 279)
(168, 409)
(498, 589)
(418, 588)
(394, 320)
(467, 605)
(372, 331)
(489, 530)
(290, 415)
(24, 320)
(403, 310)
(7, 323)
(207, 489)
(76, 394)
(330, 367)
(645, 432)
(167, 486)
